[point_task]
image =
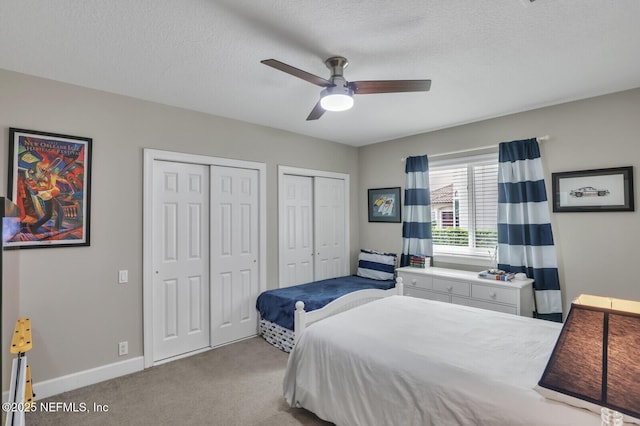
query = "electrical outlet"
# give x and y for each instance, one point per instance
(123, 348)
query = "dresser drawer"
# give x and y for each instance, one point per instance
(494, 294)
(420, 281)
(426, 294)
(476, 303)
(458, 288)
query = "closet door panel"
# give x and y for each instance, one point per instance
(296, 257)
(329, 207)
(234, 253)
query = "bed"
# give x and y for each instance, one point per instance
(376, 270)
(276, 308)
(406, 361)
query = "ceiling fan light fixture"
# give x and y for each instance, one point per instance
(337, 94)
(336, 99)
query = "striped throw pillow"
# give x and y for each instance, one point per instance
(376, 265)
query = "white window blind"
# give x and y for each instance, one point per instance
(464, 205)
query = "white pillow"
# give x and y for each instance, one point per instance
(376, 265)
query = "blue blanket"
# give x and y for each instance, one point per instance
(279, 305)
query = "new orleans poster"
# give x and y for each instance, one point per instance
(50, 181)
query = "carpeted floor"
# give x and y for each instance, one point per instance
(238, 384)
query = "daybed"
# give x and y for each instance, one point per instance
(276, 307)
(407, 361)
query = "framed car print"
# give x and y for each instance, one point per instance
(598, 190)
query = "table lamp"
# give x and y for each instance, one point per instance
(596, 361)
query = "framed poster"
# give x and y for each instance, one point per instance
(599, 190)
(50, 181)
(384, 205)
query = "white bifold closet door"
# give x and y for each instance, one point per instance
(205, 254)
(312, 229)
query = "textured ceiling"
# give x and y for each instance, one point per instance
(485, 58)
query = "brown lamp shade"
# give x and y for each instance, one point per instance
(597, 356)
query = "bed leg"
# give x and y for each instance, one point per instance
(299, 321)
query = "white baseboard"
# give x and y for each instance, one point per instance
(84, 378)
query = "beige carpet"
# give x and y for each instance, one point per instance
(238, 384)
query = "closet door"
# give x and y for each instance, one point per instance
(313, 225)
(296, 255)
(329, 223)
(180, 258)
(204, 244)
(235, 259)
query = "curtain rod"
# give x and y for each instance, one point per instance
(482, 148)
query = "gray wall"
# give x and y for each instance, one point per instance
(77, 309)
(596, 251)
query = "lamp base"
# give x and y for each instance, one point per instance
(610, 417)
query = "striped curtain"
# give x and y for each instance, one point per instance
(525, 240)
(416, 226)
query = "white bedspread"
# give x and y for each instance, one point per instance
(408, 361)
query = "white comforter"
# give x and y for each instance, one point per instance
(407, 361)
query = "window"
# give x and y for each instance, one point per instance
(464, 205)
(447, 219)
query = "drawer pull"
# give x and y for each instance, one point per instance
(493, 294)
(413, 281)
(450, 288)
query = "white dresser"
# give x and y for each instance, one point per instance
(465, 288)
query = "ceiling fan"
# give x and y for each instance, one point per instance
(337, 94)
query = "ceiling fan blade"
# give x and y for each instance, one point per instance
(316, 112)
(314, 79)
(389, 86)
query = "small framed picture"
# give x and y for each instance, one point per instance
(384, 205)
(598, 190)
(50, 181)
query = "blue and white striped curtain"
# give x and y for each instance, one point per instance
(416, 226)
(525, 240)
